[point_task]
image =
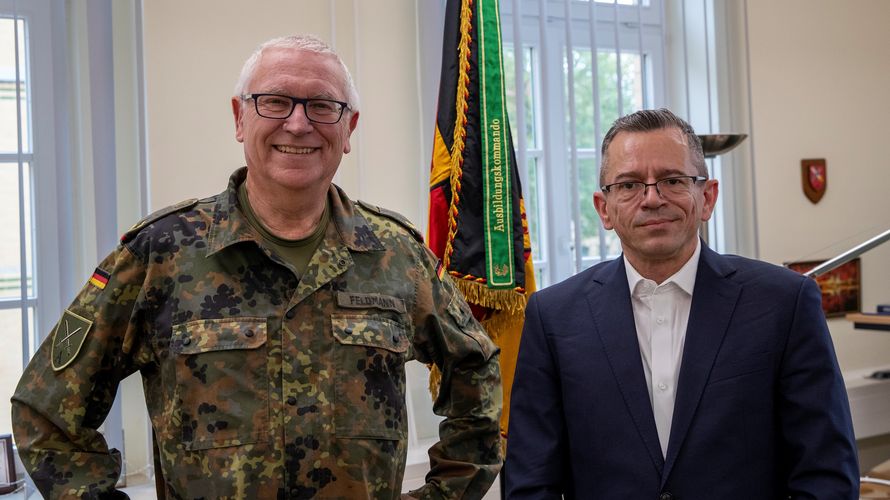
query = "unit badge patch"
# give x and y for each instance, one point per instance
(68, 338)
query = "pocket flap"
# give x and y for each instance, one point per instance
(370, 331)
(218, 335)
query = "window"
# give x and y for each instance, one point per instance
(32, 250)
(18, 292)
(56, 151)
(568, 102)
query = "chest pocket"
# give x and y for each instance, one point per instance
(222, 382)
(370, 377)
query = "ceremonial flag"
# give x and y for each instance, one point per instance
(477, 223)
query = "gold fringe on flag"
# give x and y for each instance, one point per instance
(512, 301)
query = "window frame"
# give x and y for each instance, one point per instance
(558, 258)
(46, 251)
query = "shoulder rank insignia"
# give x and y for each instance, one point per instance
(395, 216)
(68, 338)
(183, 205)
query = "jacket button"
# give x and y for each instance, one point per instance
(348, 330)
(290, 314)
(249, 333)
(186, 341)
(292, 401)
(667, 495)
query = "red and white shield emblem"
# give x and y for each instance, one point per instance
(815, 178)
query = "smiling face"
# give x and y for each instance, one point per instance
(293, 154)
(656, 233)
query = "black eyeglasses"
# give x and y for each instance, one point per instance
(667, 188)
(280, 107)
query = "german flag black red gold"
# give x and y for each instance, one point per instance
(477, 223)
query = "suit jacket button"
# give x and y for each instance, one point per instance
(667, 495)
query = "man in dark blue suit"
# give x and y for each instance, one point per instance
(675, 372)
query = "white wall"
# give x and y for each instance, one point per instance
(193, 55)
(820, 77)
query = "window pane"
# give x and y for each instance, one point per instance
(528, 82)
(591, 230)
(590, 222)
(10, 244)
(584, 112)
(586, 141)
(533, 206)
(631, 82)
(607, 73)
(8, 120)
(620, 2)
(33, 341)
(539, 277)
(631, 85)
(10, 362)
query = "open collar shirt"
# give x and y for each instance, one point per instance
(661, 313)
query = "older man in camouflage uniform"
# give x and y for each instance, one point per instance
(271, 325)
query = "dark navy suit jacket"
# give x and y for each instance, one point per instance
(761, 410)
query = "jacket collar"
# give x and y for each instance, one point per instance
(609, 300)
(229, 226)
(713, 302)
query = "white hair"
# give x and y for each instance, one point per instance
(308, 43)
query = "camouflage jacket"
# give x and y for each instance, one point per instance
(260, 385)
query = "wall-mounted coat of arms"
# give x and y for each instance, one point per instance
(814, 174)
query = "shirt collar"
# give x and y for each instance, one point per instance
(684, 278)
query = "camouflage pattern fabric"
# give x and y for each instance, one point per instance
(258, 385)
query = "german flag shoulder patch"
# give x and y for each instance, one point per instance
(100, 278)
(440, 270)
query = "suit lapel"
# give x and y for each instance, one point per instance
(610, 305)
(713, 301)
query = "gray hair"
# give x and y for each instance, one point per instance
(648, 120)
(308, 43)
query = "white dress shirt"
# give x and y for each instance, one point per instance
(661, 313)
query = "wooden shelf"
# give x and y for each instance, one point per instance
(869, 321)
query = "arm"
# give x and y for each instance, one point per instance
(56, 411)
(535, 465)
(817, 447)
(467, 457)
